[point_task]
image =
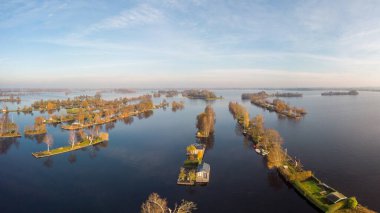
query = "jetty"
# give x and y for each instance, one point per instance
(82, 144)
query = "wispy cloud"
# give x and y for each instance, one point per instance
(141, 15)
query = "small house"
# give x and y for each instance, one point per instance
(203, 173)
(196, 151)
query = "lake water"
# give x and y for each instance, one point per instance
(339, 139)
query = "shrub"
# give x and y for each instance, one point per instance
(352, 202)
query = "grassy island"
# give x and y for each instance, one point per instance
(200, 94)
(88, 141)
(326, 198)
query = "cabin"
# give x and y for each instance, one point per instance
(203, 173)
(335, 197)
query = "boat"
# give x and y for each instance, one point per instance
(262, 152)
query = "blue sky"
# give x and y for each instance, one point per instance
(190, 43)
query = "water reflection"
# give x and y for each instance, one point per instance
(209, 141)
(72, 158)
(109, 126)
(128, 120)
(275, 180)
(6, 144)
(145, 115)
(39, 138)
(48, 163)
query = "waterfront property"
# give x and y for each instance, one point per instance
(193, 170)
(203, 173)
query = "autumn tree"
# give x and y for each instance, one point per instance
(205, 122)
(80, 116)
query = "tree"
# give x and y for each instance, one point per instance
(72, 139)
(48, 140)
(80, 116)
(352, 203)
(156, 204)
(245, 120)
(51, 106)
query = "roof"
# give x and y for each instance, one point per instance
(335, 197)
(198, 146)
(204, 167)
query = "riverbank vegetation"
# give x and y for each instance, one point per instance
(200, 94)
(269, 141)
(205, 122)
(156, 204)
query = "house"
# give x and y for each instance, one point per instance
(196, 151)
(335, 197)
(203, 173)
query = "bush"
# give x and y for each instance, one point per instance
(352, 202)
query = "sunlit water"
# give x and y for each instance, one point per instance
(339, 139)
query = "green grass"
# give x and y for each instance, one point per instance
(64, 149)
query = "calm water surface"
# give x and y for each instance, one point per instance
(339, 140)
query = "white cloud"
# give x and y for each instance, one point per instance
(140, 15)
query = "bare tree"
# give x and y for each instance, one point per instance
(48, 140)
(156, 204)
(72, 139)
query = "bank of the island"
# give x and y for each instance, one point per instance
(269, 141)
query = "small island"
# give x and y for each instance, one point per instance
(38, 128)
(8, 129)
(205, 122)
(331, 93)
(84, 142)
(276, 105)
(200, 94)
(193, 170)
(177, 105)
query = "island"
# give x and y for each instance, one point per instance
(331, 93)
(205, 122)
(200, 94)
(8, 129)
(276, 105)
(268, 143)
(38, 128)
(84, 142)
